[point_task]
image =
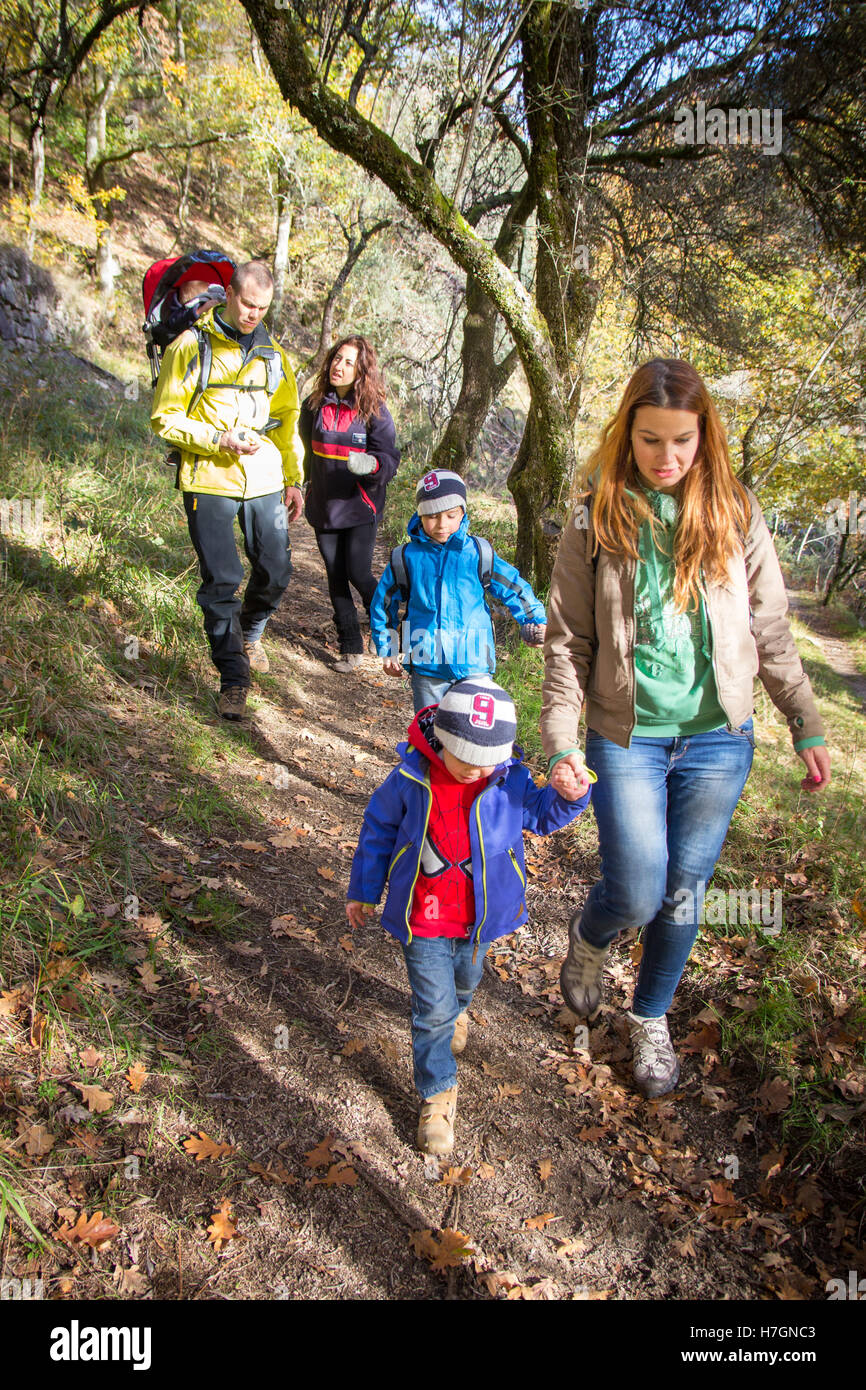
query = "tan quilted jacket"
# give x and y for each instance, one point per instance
(589, 650)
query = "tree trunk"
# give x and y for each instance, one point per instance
(482, 380)
(835, 572)
(285, 213)
(37, 180)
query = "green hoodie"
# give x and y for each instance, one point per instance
(675, 688)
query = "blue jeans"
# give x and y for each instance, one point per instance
(442, 978)
(426, 690)
(663, 807)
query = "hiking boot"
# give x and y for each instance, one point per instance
(656, 1069)
(258, 657)
(436, 1123)
(461, 1028)
(581, 976)
(233, 701)
(349, 661)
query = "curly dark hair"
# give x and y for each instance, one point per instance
(369, 384)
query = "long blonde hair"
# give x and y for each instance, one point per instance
(714, 505)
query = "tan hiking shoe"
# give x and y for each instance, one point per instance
(258, 657)
(582, 973)
(655, 1064)
(461, 1029)
(436, 1123)
(349, 662)
(233, 701)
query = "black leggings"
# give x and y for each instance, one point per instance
(348, 557)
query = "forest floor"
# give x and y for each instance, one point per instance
(242, 1116)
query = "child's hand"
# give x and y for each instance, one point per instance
(533, 634)
(391, 667)
(357, 912)
(570, 778)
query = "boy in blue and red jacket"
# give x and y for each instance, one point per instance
(445, 832)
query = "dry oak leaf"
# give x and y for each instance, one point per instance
(96, 1100)
(486, 1170)
(90, 1057)
(775, 1095)
(451, 1250)
(11, 1000)
(200, 1146)
(149, 977)
(347, 943)
(538, 1223)
(279, 1174)
(37, 1139)
(95, 1231)
(545, 1168)
(353, 1045)
(130, 1283)
(321, 1155)
(255, 845)
(136, 1076)
(455, 1177)
(325, 872)
(339, 1174)
(287, 839)
(505, 1089)
(222, 1228)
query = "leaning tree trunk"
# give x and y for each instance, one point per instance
(481, 382)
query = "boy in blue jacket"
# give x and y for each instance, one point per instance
(445, 833)
(446, 634)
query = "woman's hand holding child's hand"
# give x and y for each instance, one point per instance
(357, 912)
(570, 778)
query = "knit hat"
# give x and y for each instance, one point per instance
(476, 722)
(439, 491)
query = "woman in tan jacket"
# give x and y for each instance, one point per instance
(666, 601)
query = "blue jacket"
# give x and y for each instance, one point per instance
(447, 632)
(395, 825)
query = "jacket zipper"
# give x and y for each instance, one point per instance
(513, 857)
(478, 801)
(428, 789)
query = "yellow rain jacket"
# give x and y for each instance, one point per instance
(244, 391)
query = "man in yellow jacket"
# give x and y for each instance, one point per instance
(226, 399)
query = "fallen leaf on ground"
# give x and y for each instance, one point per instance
(149, 977)
(321, 1155)
(456, 1177)
(90, 1057)
(130, 1282)
(136, 1076)
(96, 1100)
(94, 1231)
(339, 1174)
(222, 1228)
(353, 1045)
(545, 1168)
(505, 1090)
(324, 872)
(451, 1250)
(538, 1223)
(255, 845)
(775, 1095)
(37, 1139)
(200, 1146)
(486, 1170)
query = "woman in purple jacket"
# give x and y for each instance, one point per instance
(350, 456)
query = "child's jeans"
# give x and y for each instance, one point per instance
(426, 690)
(442, 978)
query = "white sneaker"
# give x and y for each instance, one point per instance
(349, 662)
(656, 1068)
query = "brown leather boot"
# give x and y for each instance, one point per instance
(436, 1123)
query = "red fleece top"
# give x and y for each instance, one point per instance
(443, 903)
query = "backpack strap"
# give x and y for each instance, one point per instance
(205, 361)
(485, 562)
(401, 575)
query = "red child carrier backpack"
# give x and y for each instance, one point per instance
(165, 315)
